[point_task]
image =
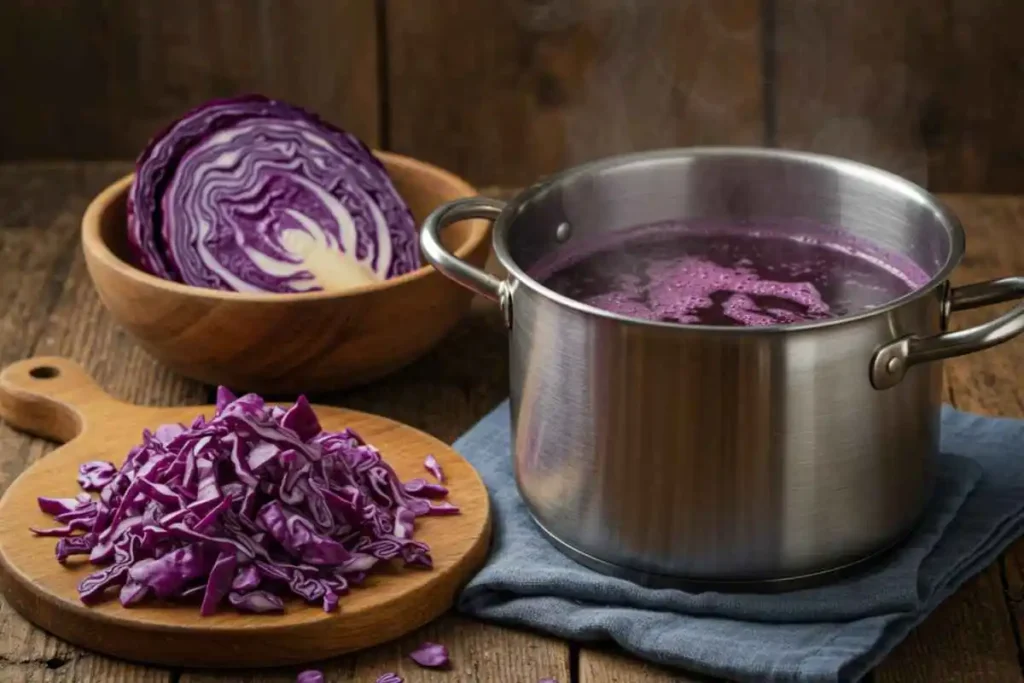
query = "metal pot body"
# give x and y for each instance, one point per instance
(718, 456)
(673, 453)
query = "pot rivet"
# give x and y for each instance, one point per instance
(894, 365)
(563, 232)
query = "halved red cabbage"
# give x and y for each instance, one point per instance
(236, 193)
(255, 503)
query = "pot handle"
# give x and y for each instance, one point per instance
(449, 264)
(891, 361)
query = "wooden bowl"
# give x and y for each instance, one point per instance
(287, 343)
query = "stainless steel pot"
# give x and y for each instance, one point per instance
(670, 453)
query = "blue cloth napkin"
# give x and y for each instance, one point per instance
(836, 632)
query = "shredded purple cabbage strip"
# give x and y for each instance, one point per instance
(251, 506)
(431, 464)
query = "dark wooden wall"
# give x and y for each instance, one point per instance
(504, 91)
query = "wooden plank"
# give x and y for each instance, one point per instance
(925, 89)
(97, 78)
(607, 666)
(988, 382)
(969, 54)
(36, 249)
(504, 92)
(968, 638)
(44, 204)
(478, 653)
(971, 636)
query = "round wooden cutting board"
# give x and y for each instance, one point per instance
(55, 399)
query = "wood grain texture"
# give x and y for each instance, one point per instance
(504, 91)
(57, 311)
(96, 79)
(288, 343)
(508, 90)
(968, 638)
(65, 404)
(604, 666)
(989, 382)
(928, 90)
(479, 654)
(971, 637)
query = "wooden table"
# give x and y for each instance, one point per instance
(47, 306)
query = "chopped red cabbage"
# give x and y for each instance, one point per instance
(246, 579)
(441, 508)
(74, 545)
(330, 601)
(94, 475)
(258, 602)
(59, 506)
(390, 677)
(254, 504)
(424, 489)
(430, 655)
(434, 467)
(310, 676)
(224, 398)
(219, 583)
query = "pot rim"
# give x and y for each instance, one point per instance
(890, 181)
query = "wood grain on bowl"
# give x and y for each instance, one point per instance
(54, 398)
(287, 343)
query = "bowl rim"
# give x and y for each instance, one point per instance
(94, 245)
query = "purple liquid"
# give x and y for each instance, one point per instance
(752, 278)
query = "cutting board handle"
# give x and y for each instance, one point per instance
(48, 397)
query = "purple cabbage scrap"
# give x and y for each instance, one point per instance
(253, 505)
(434, 467)
(94, 475)
(431, 656)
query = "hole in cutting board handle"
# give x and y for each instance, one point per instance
(49, 397)
(44, 372)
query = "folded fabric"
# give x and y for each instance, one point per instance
(835, 632)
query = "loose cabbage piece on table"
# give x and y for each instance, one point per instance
(257, 503)
(255, 195)
(431, 656)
